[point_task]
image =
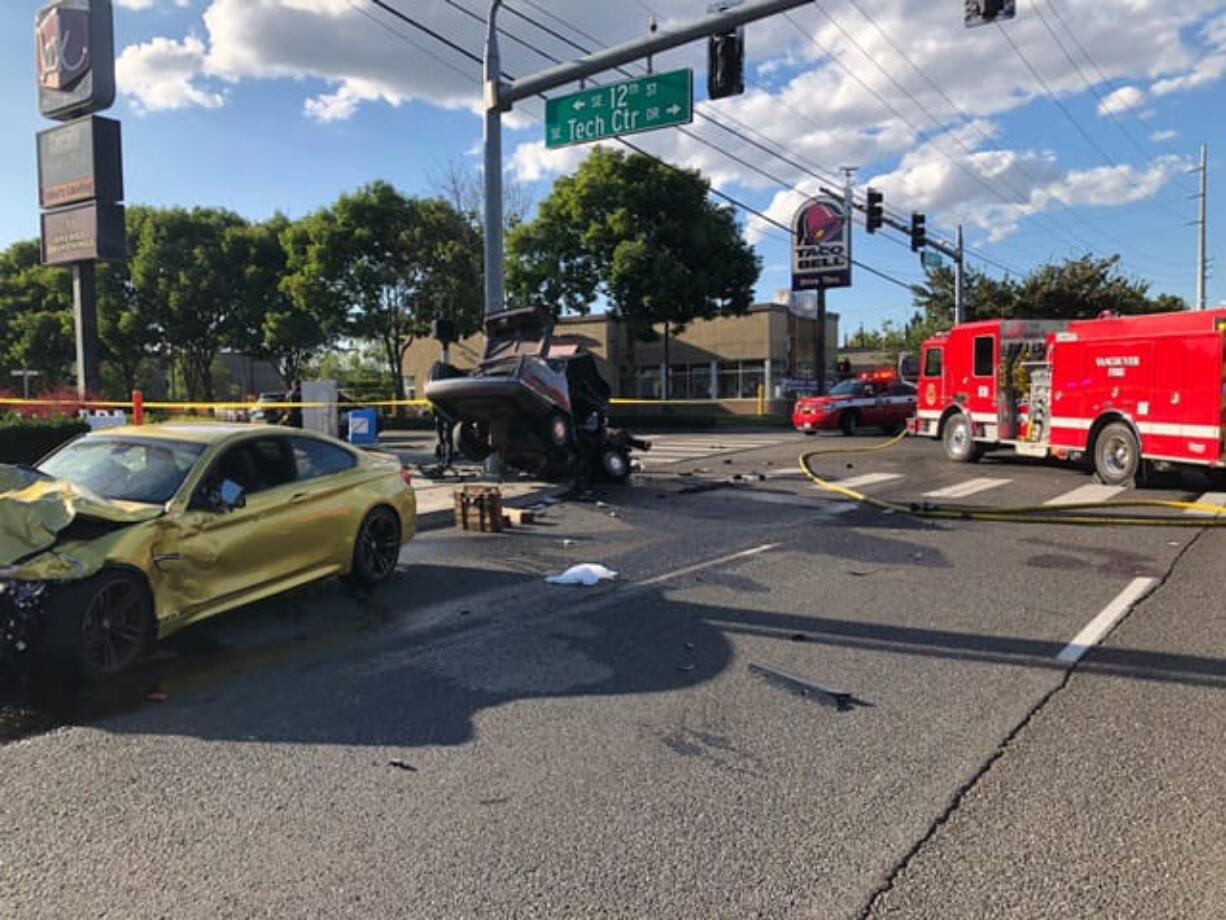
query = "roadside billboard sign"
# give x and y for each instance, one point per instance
(75, 57)
(80, 161)
(83, 233)
(821, 245)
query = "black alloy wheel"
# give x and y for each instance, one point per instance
(97, 628)
(377, 549)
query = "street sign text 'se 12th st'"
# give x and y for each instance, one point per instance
(655, 101)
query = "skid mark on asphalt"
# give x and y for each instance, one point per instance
(967, 489)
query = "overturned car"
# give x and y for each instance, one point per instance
(542, 407)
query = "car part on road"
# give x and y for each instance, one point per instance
(843, 702)
(1215, 515)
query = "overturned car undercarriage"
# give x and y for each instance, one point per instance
(542, 407)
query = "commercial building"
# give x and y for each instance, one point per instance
(726, 359)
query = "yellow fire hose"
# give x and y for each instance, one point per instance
(1026, 514)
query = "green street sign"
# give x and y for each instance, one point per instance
(931, 260)
(657, 101)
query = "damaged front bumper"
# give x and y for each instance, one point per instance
(22, 609)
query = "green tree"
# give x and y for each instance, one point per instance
(36, 321)
(125, 323)
(383, 266)
(641, 234)
(188, 268)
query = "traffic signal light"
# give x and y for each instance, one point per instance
(726, 64)
(443, 330)
(919, 232)
(985, 12)
(874, 213)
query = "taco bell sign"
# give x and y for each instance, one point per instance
(821, 245)
(75, 58)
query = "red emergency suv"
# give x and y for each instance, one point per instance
(1119, 390)
(877, 400)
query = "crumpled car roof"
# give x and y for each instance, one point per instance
(34, 510)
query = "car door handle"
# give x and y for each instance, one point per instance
(298, 498)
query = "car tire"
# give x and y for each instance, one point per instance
(849, 423)
(960, 446)
(376, 549)
(1117, 455)
(559, 431)
(615, 464)
(472, 442)
(96, 628)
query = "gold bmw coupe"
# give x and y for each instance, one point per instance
(127, 535)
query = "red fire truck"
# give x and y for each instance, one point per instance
(1121, 390)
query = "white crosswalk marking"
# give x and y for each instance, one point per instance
(1094, 492)
(968, 488)
(868, 479)
(680, 448)
(1209, 498)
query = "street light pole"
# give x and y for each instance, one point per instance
(494, 296)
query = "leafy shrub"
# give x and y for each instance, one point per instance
(25, 440)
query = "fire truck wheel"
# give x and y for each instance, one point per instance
(959, 445)
(849, 423)
(1117, 455)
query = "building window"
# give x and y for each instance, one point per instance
(985, 356)
(647, 383)
(753, 375)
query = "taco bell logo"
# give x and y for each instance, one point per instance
(63, 47)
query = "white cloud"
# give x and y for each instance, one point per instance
(1124, 99)
(163, 74)
(1161, 137)
(825, 102)
(1207, 71)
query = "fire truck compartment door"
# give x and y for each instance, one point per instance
(1123, 375)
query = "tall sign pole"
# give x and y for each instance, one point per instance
(494, 277)
(80, 171)
(1202, 269)
(500, 97)
(960, 281)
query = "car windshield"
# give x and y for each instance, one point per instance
(135, 470)
(847, 388)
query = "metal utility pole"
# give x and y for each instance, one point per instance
(85, 307)
(960, 282)
(1202, 268)
(494, 297)
(500, 97)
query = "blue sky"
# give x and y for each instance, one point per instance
(265, 105)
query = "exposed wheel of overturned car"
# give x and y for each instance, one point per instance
(473, 441)
(96, 627)
(616, 464)
(376, 551)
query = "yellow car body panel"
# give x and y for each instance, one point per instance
(199, 563)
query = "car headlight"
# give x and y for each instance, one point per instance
(21, 609)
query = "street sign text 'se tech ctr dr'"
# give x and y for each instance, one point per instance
(655, 101)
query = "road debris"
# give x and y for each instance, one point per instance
(402, 765)
(587, 575)
(843, 702)
(685, 667)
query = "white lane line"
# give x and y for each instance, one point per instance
(968, 488)
(1209, 498)
(1102, 624)
(869, 479)
(709, 564)
(1094, 492)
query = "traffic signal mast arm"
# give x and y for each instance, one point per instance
(627, 52)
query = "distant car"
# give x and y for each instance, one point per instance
(128, 535)
(876, 400)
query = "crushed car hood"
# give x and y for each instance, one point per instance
(34, 510)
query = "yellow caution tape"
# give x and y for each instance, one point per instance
(1025, 514)
(230, 406)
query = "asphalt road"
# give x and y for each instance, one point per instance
(473, 742)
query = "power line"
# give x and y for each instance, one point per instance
(438, 59)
